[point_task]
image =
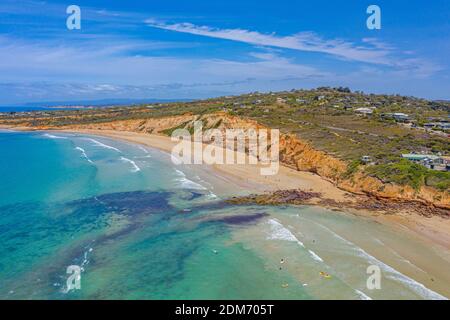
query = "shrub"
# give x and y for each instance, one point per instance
(403, 172)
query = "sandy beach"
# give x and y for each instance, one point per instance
(247, 177)
(434, 229)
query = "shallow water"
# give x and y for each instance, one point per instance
(143, 228)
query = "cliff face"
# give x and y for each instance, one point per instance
(294, 153)
(151, 125)
(298, 154)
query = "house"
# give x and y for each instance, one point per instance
(438, 125)
(397, 116)
(443, 125)
(366, 159)
(415, 157)
(400, 117)
(364, 111)
(429, 161)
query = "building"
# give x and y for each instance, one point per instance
(364, 111)
(366, 159)
(416, 157)
(430, 161)
(445, 126)
(400, 117)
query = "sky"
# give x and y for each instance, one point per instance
(163, 49)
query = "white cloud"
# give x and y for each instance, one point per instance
(373, 52)
(47, 61)
(31, 70)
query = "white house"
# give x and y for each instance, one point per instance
(364, 111)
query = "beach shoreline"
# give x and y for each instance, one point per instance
(435, 229)
(432, 234)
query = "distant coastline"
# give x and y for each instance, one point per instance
(83, 104)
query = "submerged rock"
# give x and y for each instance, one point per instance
(280, 197)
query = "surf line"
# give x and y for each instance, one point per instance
(83, 153)
(100, 144)
(135, 167)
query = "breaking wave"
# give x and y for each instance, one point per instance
(279, 232)
(100, 144)
(135, 166)
(83, 153)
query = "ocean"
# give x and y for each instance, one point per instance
(5, 109)
(140, 227)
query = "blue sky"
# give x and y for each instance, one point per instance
(196, 49)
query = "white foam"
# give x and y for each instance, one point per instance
(212, 195)
(48, 135)
(142, 157)
(143, 149)
(186, 183)
(99, 144)
(135, 167)
(315, 256)
(180, 173)
(189, 184)
(83, 153)
(362, 295)
(394, 274)
(279, 232)
(176, 160)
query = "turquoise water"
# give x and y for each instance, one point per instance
(141, 228)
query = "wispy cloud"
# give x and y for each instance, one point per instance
(106, 68)
(112, 57)
(370, 52)
(117, 55)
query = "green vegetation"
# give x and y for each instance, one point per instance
(168, 132)
(405, 172)
(324, 117)
(352, 168)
